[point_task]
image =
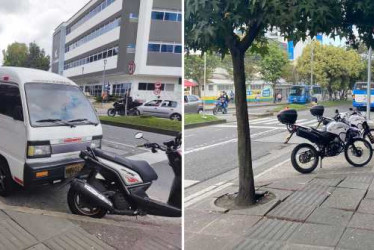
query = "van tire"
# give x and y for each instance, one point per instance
(7, 184)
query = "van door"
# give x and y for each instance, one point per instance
(12, 128)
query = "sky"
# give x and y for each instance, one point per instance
(28, 21)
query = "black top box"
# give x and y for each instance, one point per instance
(288, 116)
(317, 110)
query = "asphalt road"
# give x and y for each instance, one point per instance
(117, 140)
(212, 151)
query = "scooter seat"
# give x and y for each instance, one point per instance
(145, 170)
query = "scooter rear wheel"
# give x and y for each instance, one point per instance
(215, 111)
(111, 112)
(77, 206)
(302, 154)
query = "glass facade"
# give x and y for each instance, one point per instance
(164, 48)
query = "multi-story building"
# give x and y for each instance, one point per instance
(119, 45)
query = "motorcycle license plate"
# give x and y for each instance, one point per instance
(73, 169)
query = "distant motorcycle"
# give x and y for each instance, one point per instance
(220, 107)
(119, 108)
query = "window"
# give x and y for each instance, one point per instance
(115, 51)
(179, 18)
(150, 86)
(169, 104)
(110, 53)
(157, 15)
(178, 49)
(154, 47)
(169, 87)
(167, 48)
(142, 86)
(154, 103)
(193, 98)
(10, 101)
(171, 16)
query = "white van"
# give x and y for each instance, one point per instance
(45, 121)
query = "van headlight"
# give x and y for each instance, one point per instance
(39, 151)
(96, 143)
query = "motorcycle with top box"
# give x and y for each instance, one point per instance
(343, 138)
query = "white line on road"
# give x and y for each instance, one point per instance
(202, 194)
(122, 144)
(192, 199)
(265, 120)
(260, 120)
(308, 122)
(226, 142)
(151, 158)
(188, 183)
(272, 168)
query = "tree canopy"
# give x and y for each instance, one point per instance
(21, 55)
(334, 68)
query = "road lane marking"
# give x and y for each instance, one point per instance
(272, 168)
(265, 120)
(151, 158)
(308, 122)
(123, 144)
(192, 199)
(188, 183)
(260, 120)
(202, 194)
(226, 142)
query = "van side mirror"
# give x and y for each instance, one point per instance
(18, 113)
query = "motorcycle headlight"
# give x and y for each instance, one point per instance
(39, 151)
(96, 143)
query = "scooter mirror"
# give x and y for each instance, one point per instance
(139, 135)
(336, 111)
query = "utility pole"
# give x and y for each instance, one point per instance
(368, 103)
(204, 82)
(311, 63)
(102, 93)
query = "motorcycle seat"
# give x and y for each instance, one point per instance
(146, 172)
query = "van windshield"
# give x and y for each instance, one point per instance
(49, 103)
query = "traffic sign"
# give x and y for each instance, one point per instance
(131, 67)
(158, 85)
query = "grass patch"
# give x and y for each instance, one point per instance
(197, 118)
(146, 121)
(309, 105)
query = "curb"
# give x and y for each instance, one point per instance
(142, 128)
(203, 124)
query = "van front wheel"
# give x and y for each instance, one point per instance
(6, 181)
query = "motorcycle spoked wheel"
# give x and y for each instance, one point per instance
(80, 206)
(367, 137)
(304, 158)
(111, 112)
(358, 152)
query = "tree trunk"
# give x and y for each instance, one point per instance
(274, 94)
(329, 89)
(246, 195)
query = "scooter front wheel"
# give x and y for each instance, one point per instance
(358, 152)
(304, 158)
(80, 206)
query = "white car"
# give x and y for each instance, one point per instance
(161, 108)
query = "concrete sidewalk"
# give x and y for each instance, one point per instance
(332, 208)
(27, 228)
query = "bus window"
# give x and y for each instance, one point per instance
(317, 90)
(297, 91)
(362, 86)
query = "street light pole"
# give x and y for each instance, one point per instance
(102, 92)
(204, 82)
(311, 64)
(368, 103)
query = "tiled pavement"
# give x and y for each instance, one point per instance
(323, 211)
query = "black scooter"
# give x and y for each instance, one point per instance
(109, 183)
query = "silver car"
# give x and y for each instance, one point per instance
(161, 108)
(193, 104)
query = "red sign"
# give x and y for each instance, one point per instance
(131, 67)
(158, 85)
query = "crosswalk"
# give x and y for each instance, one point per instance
(274, 122)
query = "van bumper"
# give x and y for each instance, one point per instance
(56, 171)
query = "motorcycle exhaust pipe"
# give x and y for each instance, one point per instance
(98, 198)
(92, 194)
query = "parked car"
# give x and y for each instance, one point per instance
(45, 121)
(161, 108)
(193, 104)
